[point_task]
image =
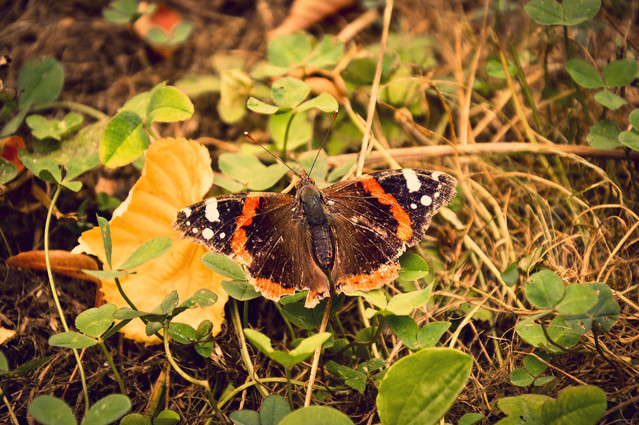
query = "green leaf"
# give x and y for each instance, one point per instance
(404, 304)
(147, 251)
(107, 410)
(325, 102)
(29, 366)
(561, 332)
(167, 417)
(305, 349)
(609, 99)
(351, 377)
(121, 11)
(578, 11)
(197, 85)
(510, 276)
(105, 231)
(202, 297)
(51, 411)
(260, 107)
(316, 415)
(521, 378)
(168, 304)
(40, 82)
(223, 265)
(240, 290)
(8, 171)
(630, 139)
(71, 340)
(288, 92)
(582, 405)
(577, 299)
(431, 333)
(543, 380)
(95, 321)
(584, 74)
(421, 387)
(604, 134)
(42, 128)
(299, 133)
(269, 177)
(44, 169)
(135, 419)
(243, 167)
(289, 50)
(4, 363)
(405, 328)
(125, 313)
(245, 417)
(470, 419)
(607, 310)
(182, 333)
(326, 53)
(413, 266)
(535, 366)
(495, 69)
(620, 72)
(168, 104)
(634, 118)
(545, 12)
(124, 140)
(105, 274)
(274, 409)
(527, 406)
(544, 289)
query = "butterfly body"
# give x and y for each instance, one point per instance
(354, 230)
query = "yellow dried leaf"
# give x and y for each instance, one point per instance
(176, 173)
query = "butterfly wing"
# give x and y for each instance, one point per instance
(262, 232)
(376, 217)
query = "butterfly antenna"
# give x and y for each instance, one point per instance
(323, 142)
(277, 158)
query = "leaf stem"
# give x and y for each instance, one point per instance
(54, 294)
(204, 383)
(113, 368)
(318, 350)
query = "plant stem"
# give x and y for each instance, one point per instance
(318, 350)
(54, 294)
(80, 107)
(289, 388)
(113, 368)
(176, 367)
(288, 128)
(246, 358)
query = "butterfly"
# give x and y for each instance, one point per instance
(353, 231)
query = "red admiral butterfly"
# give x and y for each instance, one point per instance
(356, 229)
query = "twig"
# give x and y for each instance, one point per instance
(318, 350)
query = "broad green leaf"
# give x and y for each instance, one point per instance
(561, 332)
(431, 333)
(202, 297)
(308, 345)
(404, 304)
(269, 177)
(405, 328)
(180, 33)
(168, 104)
(326, 53)
(182, 333)
(4, 363)
(306, 318)
(245, 417)
(510, 276)
(634, 118)
(413, 267)
(607, 310)
(583, 405)
(300, 131)
(420, 388)
(527, 406)
(376, 297)
(51, 411)
(521, 378)
(124, 140)
(288, 92)
(578, 11)
(630, 139)
(44, 169)
(241, 166)
(149, 250)
(105, 274)
(135, 419)
(198, 85)
(260, 107)
(125, 313)
(320, 169)
(609, 99)
(316, 415)
(584, 74)
(8, 171)
(545, 12)
(604, 134)
(289, 50)
(40, 82)
(544, 289)
(470, 419)
(42, 128)
(71, 340)
(274, 409)
(121, 11)
(223, 265)
(240, 290)
(535, 366)
(29, 366)
(235, 86)
(495, 69)
(620, 72)
(543, 380)
(325, 102)
(353, 378)
(107, 410)
(95, 321)
(167, 417)
(168, 304)
(105, 231)
(577, 299)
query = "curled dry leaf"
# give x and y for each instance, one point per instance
(9, 150)
(177, 173)
(305, 13)
(63, 262)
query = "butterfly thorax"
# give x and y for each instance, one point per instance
(311, 203)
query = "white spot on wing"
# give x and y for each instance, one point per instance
(211, 212)
(187, 211)
(412, 181)
(413, 206)
(194, 230)
(188, 223)
(436, 195)
(207, 233)
(426, 200)
(436, 175)
(222, 235)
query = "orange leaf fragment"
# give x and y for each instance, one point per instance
(176, 173)
(9, 150)
(63, 262)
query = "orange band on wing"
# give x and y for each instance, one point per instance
(271, 290)
(239, 237)
(368, 282)
(404, 230)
